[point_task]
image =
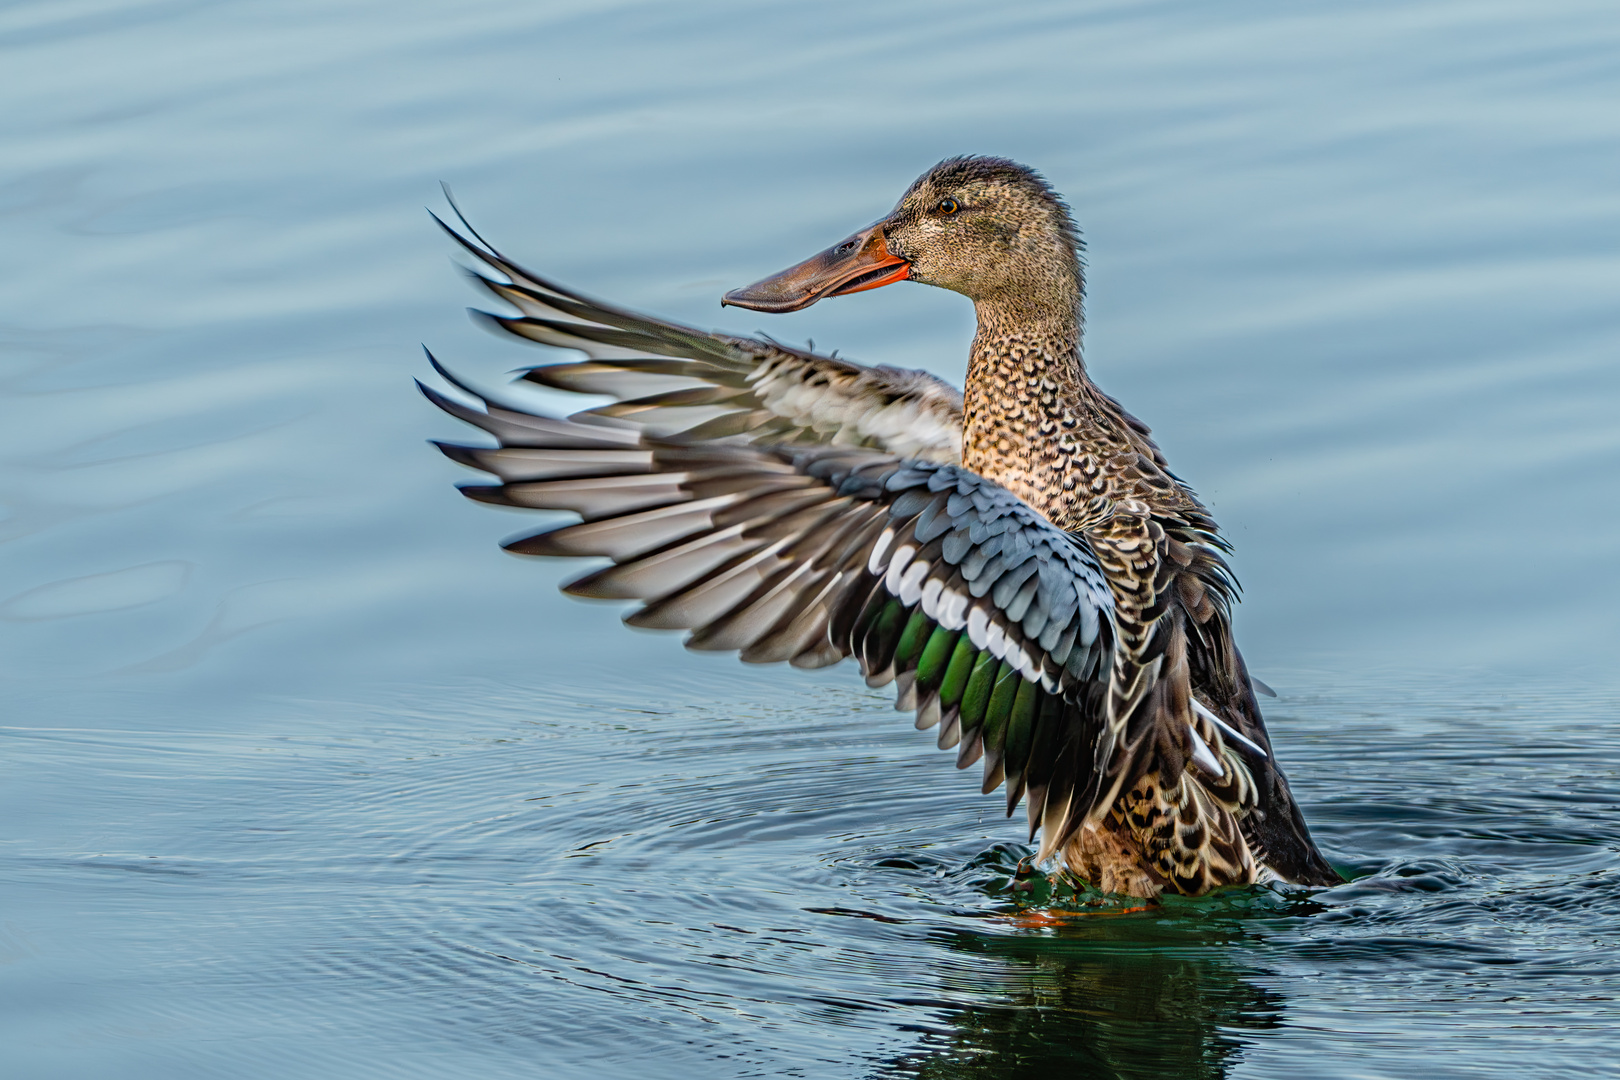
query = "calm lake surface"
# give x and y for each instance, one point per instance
(300, 775)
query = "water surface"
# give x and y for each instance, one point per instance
(302, 775)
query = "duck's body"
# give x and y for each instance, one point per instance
(1069, 620)
(1037, 425)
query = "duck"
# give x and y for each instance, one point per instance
(1016, 559)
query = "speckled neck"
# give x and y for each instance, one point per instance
(1034, 422)
(1025, 386)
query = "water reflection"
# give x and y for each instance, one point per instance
(1112, 997)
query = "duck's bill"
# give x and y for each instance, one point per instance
(862, 262)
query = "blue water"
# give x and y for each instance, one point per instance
(301, 776)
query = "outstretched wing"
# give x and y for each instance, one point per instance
(993, 623)
(673, 380)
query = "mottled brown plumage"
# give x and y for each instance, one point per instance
(1133, 734)
(1034, 422)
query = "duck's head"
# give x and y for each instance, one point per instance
(985, 227)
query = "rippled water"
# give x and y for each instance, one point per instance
(302, 776)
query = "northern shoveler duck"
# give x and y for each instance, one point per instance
(1020, 561)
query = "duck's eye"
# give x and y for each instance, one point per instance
(947, 207)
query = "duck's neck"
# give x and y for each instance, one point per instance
(1034, 422)
(1029, 331)
(1020, 331)
(1026, 392)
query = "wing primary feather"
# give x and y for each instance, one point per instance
(971, 748)
(976, 695)
(999, 710)
(957, 671)
(913, 639)
(927, 709)
(1021, 724)
(1043, 755)
(932, 664)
